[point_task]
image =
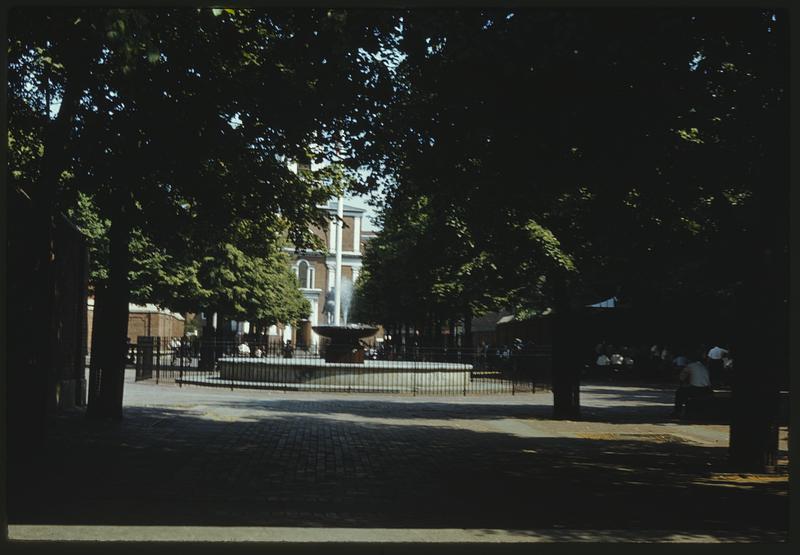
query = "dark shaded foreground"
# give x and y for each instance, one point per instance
(293, 464)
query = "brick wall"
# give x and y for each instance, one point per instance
(139, 324)
(155, 324)
(348, 234)
(143, 324)
(320, 274)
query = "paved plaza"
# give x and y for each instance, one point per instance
(192, 456)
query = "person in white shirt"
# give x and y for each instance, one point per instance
(244, 349)
(716, 363)
(717, 353)
(175, 347)
(695, 382)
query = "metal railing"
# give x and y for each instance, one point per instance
(270, 365)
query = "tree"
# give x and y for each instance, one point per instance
(134, 84)
(445, 274)
(257, 286)
(252, 288)
(652, 168)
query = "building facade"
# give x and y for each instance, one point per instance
(316, 274)
(316, 270)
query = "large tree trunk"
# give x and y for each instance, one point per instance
(55, 158)
(30, 313)
(98, 339)
(760, 358)
(566, 365)
(109, 344)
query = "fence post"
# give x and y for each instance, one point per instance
(144, 355)
(513, 381)
(180, 369)
(158, 359)
(138, 362)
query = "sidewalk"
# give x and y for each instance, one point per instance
(267, 462)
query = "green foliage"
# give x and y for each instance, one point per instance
(638, 169)
(426, 265)
(95, 228)
(546, 241)
(25, 146)
(163, 132)
(513, 149)
(261, 289)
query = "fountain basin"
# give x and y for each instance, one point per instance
(373, 375)
(345, 346)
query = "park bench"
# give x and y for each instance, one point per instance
(718, 406)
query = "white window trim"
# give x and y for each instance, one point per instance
(310, 274)
(357, 235)
(331, 276)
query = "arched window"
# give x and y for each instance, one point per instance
(305, 274)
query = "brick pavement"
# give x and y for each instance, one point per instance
(201, 457)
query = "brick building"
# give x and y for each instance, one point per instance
(316, 270)
(144, 320)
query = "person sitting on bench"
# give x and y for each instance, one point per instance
(695, 382)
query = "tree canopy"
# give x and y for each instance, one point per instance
(259, 286)
(165, 132)
(632, 153)
(179, 124)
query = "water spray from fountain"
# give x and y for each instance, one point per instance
(347, 299)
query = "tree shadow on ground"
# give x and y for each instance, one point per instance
(163, 466)
(601, 403)
(537, 408)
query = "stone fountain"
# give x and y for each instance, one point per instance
(344, 367)
(345, 345)
(345, 340)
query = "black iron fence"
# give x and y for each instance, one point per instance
(192, 361)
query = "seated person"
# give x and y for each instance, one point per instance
(603, 360)
(695, 382)
(244, 349)
(288, 349)
(680, 362)
(627, 356)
